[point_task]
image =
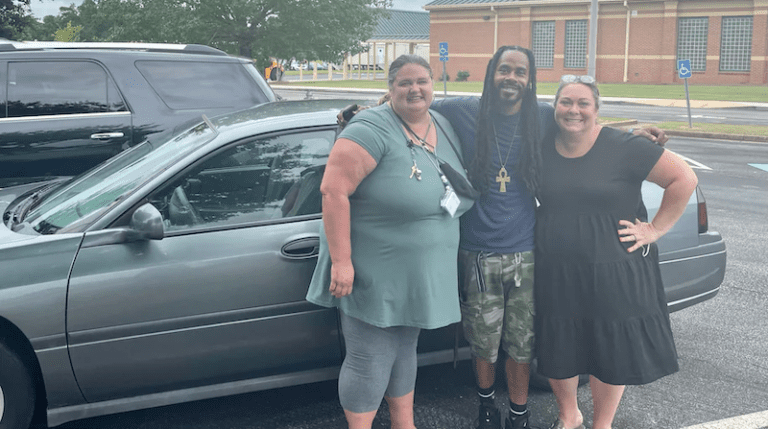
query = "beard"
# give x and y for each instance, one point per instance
(509, 94)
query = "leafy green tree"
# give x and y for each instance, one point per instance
(160, 21)
(44, 30)
(13, 18)
(68, 34)
(306, 29)
(303, 29)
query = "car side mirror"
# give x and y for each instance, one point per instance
(147, 223)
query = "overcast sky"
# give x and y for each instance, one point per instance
(409, 4)
(41, 8)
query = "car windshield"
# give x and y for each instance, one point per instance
(85, 198)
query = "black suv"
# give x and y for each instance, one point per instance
(65, 107)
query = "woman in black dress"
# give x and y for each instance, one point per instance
(600, 304)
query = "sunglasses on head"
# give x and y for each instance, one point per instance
(572, 78)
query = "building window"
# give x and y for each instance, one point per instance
(576, 44)
(692, 42)
(543, 45)
(736, 44)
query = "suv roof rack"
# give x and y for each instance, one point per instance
(149, 47)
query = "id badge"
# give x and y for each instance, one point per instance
(450, 201)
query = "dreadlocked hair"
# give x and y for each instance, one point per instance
(528, 164)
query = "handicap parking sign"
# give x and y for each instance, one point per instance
(443, 46)
(684, 69)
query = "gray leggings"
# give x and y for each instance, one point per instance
(379, 361)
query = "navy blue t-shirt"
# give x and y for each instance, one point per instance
(499, 222)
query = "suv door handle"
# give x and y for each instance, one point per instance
(106, 136)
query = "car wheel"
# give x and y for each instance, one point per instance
(540, 382)
(17, 392)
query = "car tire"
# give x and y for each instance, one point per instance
(539, 382)
(17, 391)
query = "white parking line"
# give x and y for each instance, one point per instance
(692, 163)
(760, 166)
(749, 421)
(702, 117)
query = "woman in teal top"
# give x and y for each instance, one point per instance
(389, 242)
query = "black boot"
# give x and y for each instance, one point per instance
(489, 417)
(516, 421)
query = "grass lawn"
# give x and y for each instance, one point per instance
(718, 93)
(607, 120)
(747, 93)
(749, 130)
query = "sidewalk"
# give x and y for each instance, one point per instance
(695, 104)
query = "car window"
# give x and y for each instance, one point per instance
(264, 179)
(60, 88)
(88, 196)
(197, 85)
(3, 75)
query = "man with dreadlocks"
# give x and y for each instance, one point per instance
(499, 134)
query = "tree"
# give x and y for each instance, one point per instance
(305, 29)
(318, 29)
(68, 34)
(13, 18)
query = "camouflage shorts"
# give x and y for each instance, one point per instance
(496, 293)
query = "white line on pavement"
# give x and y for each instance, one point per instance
(692, 163)
(749, 421)
(760, 166)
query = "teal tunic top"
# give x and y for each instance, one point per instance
(404, 245)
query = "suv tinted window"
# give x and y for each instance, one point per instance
(60, 88)
(196, 85)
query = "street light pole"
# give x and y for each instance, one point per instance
(593, 40)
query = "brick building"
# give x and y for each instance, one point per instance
(638, 41)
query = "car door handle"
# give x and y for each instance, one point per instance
(106, 136)
(302, 248)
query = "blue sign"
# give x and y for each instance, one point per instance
(443, 51)
(684, 69)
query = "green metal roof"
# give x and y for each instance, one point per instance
(466, 2)
(403, 25)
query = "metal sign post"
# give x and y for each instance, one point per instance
(444, 59)
(684, 72)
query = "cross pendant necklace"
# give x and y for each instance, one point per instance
(503, 177)
(415, 172)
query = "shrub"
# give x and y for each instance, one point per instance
(462, 76)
